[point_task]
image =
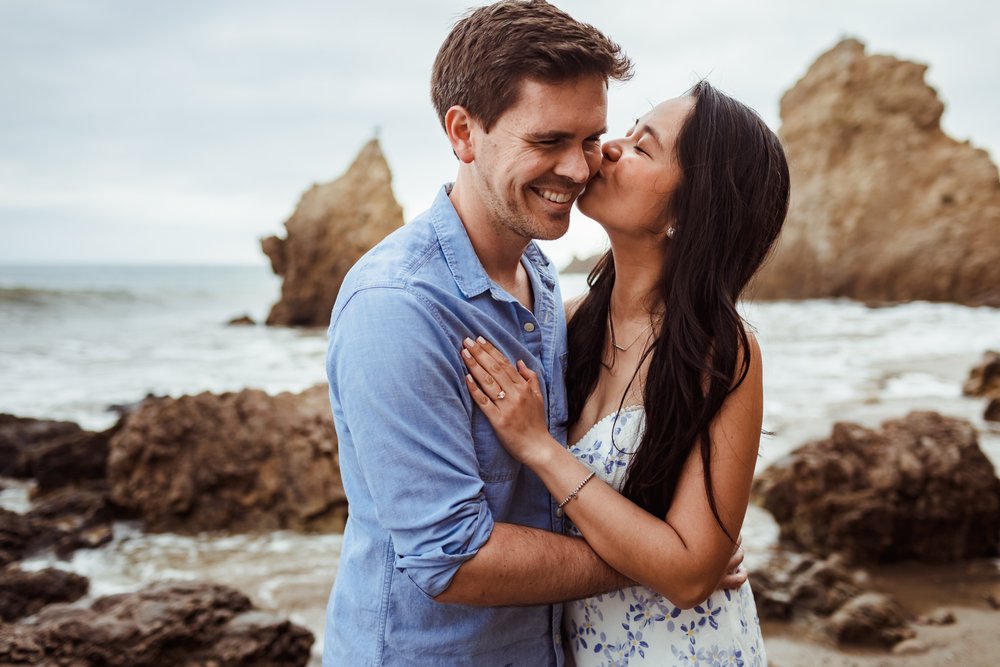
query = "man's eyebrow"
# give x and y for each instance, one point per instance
(558, 136)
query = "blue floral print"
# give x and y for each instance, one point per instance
(637, 626)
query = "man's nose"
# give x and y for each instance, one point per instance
(574, 165)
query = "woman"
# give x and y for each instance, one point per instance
(664, 384)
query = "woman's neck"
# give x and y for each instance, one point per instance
(638, 265)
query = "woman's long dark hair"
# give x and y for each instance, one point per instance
(727, 211)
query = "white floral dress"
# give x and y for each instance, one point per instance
(638, 626)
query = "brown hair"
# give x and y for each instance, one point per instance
(493, 48)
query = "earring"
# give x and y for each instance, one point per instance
(670, 232)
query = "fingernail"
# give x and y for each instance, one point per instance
(468, 376)
(469, 342)
(466, 354)
(481, 340)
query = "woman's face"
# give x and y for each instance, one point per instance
(639, 173)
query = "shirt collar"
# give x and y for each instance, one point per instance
(466, 269)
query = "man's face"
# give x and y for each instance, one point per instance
(540, 154)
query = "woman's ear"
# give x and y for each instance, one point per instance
(459, 126)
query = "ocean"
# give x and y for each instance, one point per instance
(75, 340)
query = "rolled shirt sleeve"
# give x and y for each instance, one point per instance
(399, 381)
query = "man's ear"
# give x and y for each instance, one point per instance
(459, 125)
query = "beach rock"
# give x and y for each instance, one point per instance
(21, 535)
(984, 379)
(332, 226)
(241, 321)
(64, 521)
(992, 412)
(885, 207)
(169, 623)
(24, 593)
(938, 617)
(83, 517)
(870, 619)
(581, 265)
(72, 460)
(918, 488)
(791, 585)
(21, 437)
(235, 461)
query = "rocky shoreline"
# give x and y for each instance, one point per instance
(919, 491)
(235, 462)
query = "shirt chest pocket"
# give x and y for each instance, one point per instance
(495, 464)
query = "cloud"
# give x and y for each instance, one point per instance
(214, 117)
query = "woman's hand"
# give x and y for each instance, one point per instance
(509, 397)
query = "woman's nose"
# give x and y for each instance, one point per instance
(611, 150)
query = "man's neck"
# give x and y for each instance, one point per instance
(499, 250)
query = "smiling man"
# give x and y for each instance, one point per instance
(453, 553)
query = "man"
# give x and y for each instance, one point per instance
(454, 553)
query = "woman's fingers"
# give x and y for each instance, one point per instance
(481, 399)
(493, 359)
(485, 380)
(530, 376)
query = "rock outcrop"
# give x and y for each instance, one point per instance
(984, 380)
(235, 461)
(332, 226)
(829, 598)
(581, 265)
(169, 623)
(25, 593)
(919, 488)
(22, 437)
(885, 207)
(64, 521)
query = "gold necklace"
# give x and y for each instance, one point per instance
(614, 341)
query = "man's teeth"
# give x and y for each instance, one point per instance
(555, 196)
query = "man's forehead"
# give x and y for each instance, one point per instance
(563, 109)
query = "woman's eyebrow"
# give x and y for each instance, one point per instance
(651, 132)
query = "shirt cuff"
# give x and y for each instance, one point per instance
(433, 571)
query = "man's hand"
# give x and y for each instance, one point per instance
(736, 574)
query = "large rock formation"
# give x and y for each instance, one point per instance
(169, 623)
(235, 461)
(918, 488)
(333, 225)
(885, 206)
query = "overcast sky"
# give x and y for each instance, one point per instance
(151, 132)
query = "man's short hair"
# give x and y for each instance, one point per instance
(492, 49)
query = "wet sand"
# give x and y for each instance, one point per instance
(963, 589)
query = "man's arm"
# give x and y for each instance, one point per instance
(528, 566)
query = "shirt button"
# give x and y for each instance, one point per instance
(529, 327)
(558, 639)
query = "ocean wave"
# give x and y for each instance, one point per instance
(37, 296)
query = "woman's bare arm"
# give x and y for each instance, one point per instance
(681, 556)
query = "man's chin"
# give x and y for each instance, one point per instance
(553, 229)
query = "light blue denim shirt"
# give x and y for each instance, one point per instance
(425, 475)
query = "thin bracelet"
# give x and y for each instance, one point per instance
(572, 496)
